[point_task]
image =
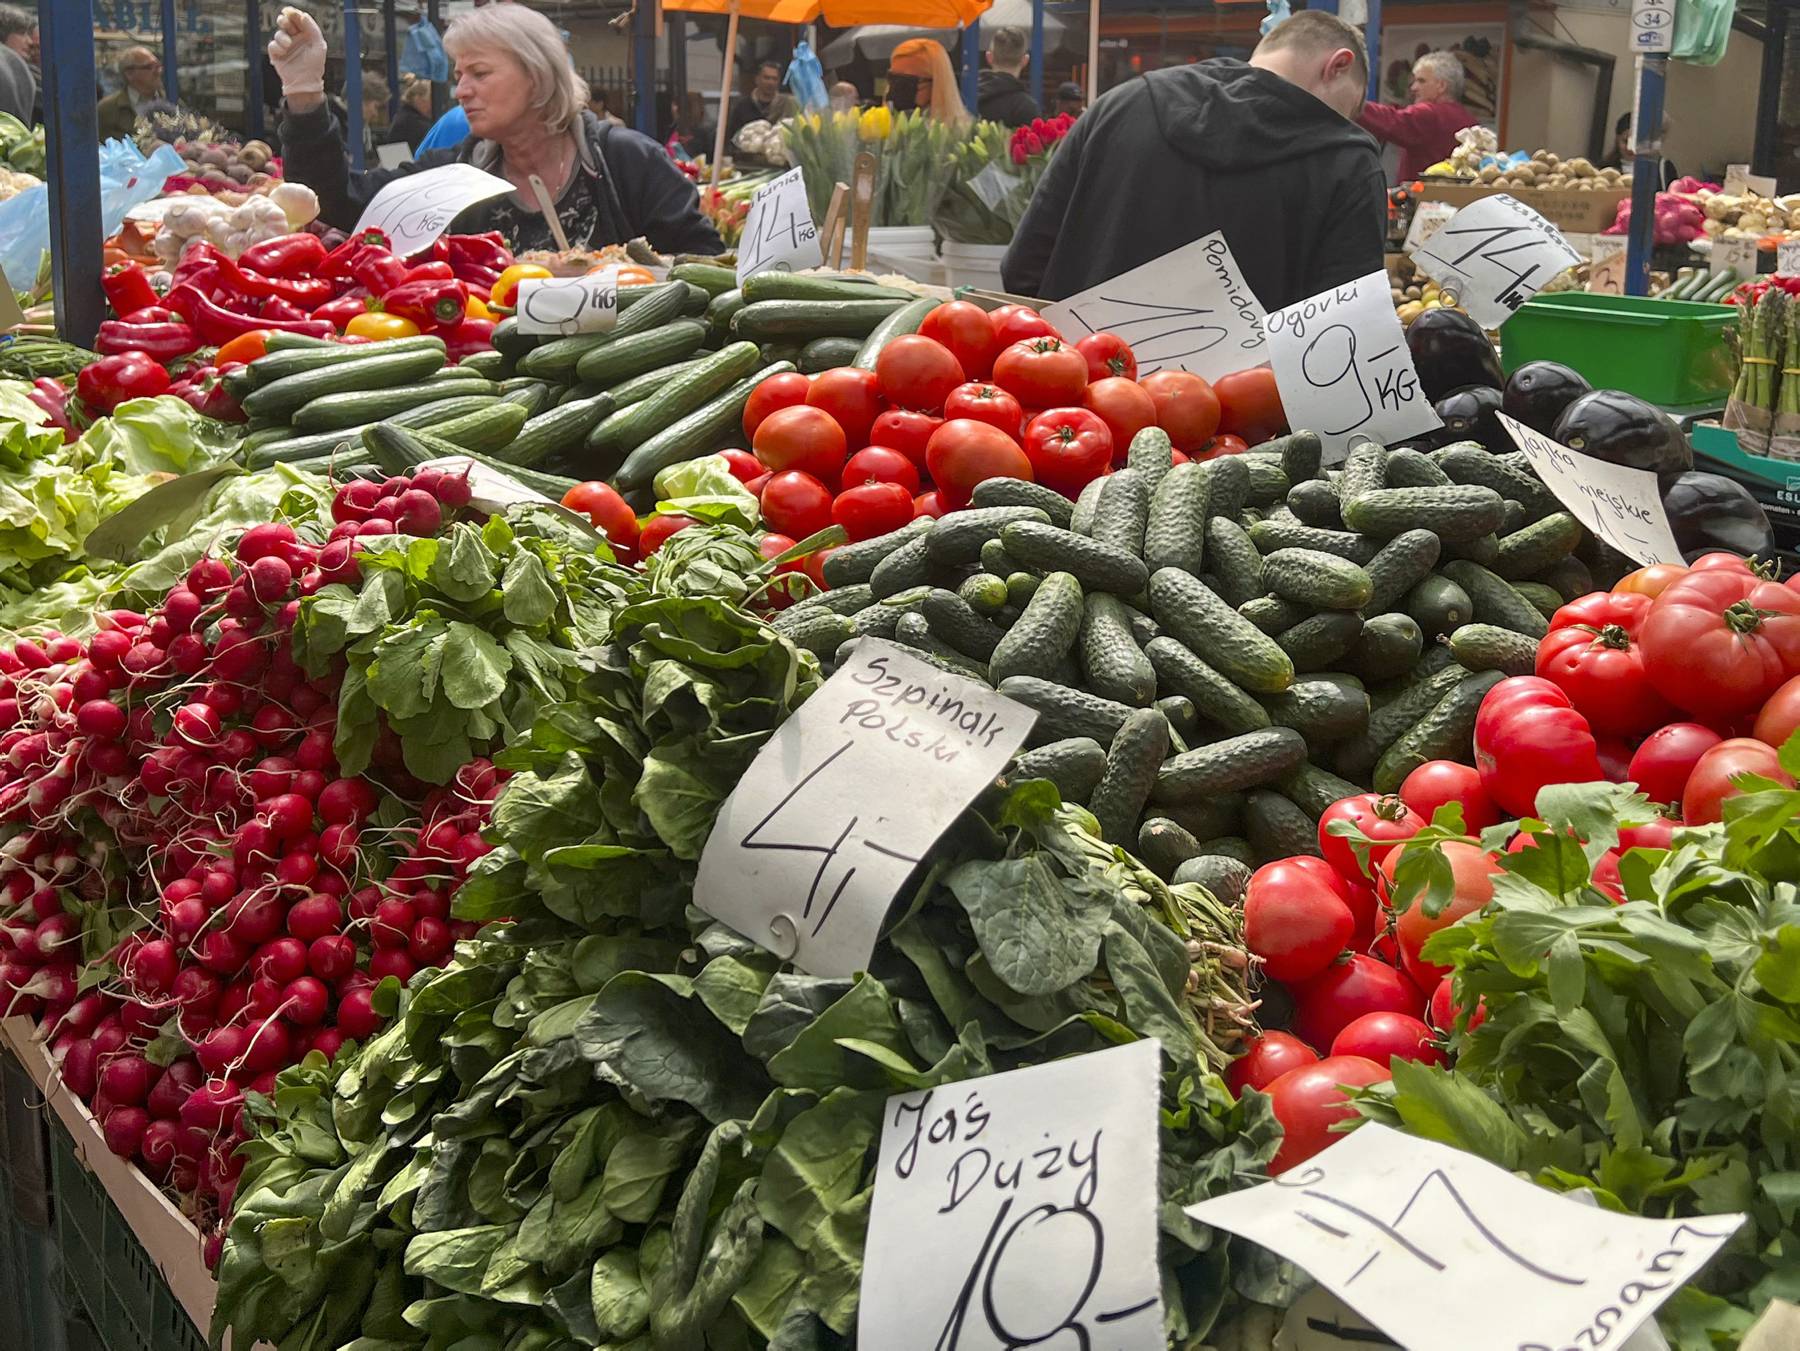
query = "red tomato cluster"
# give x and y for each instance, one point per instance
(969, 397)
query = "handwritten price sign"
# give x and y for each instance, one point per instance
(1189, 310)
(1620, 505)
(564, 306)
(844, 801)
(1019, 1210)
(1438, 1248)
(415, 210)
(779, 232)
(1495, 254)
(1343, 368)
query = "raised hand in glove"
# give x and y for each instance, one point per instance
(297, 51)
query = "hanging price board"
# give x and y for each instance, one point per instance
(565, 306)
(779, 232)
(1495, 254)
(1343, 368)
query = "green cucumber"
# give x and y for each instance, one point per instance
(628, 428)
(1236, 566)
(396, 449)
(1018, 492)
(1277, 828)
(1218, 699)
(1267, 482)
(915, 631)
(1272, 614)
(446, 408)
(1221, 814)
(634, 355)
(1228, 486)
(1114, 665)
(695, 434)
(1313, 789)
(721, 311)
(556, 431)
(1081, 517)
(775, 285)
(855, 563)
(1151, 456)
(1403, 562)
(1123, 512)
(1184, 718)
(1442, 734)
(1458, 512)
(1321, 580)
(827, 354)
(906, 319)
(959, 536)
(534, 396)
(1322, 711)
(1132, 765)
(1226, 878)
(1547, 599)
(709, 277)
(984, 593)
(1315, 643)
(1388, 646)
(1487, 647)
(641, 387)
(843, 600)
(1356, 757)
(1190, 611)
(375, 371)
(1044, 633)
(510, 342)
(279, 364)
(1531, 549)
(1494, 599)
(1438, 605)
(1247, 761)
(955, 621)
(1175, 534)
(1468, 463)
(1272, 535)
(1301, 454)
(1099, 566)
(1365, 470)
(902, 570)
(1315, 502)
(1568, 577)
(802, 320)
(1408, 468)
(1165, 845)
(819, 631)
(557, 359)
(357, 408)
(1065, 712)
(1074, 765)
(488, 430)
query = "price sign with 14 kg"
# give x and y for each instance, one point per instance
(779, 232)
(1495, 254)
(1343, 368)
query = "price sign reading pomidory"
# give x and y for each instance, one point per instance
(779, 232)
(565, 306)
(1343, 368)
(414, 210)
(1495, 254)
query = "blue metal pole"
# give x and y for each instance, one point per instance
(72, 157)
(1646, 171)
(253, 64)
(1037, 53)
(353, 82)
(391, 37)
(643, 69)
(170, 82)
(1372, 38)
(971, 71)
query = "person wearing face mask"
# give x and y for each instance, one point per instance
(1262, 150)
(527, 116)
(921, 77)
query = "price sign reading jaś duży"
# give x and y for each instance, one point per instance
(779, 232)
(565, 306)
(1343, 368)
(1495, 254)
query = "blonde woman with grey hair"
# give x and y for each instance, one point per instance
(527, 116)
(1425, 130)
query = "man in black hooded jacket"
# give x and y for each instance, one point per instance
(1263, 150)
(999, 93)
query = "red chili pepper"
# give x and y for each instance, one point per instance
(440, 251)
(432, 271)
(289, 256)
(215, 324)
(467, 338)
(377, 269)
(155, 314)
(429, 304)
(127, 289)
(165, 341)
(110, 381)
(341, 311)
(277, 308)
(198, 268)
(480, 280)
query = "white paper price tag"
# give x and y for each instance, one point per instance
(1735, 255)
(1019, 1210)
(1428, 218)
(564, 306)
(1189, 310)
(415, 210)
(779, 232)
(1495, 254)
(1438, 1248)
(1342, 366)
(1606, 273)
(1652, 26)
(1620, 505)
(846, 798)
(1787, 257)
(1740, 182)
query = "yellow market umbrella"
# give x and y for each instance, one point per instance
(837, 13)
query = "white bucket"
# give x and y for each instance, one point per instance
(975, 265)
(909, 251)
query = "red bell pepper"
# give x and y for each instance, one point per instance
(1528, 735)
(127, 289)
(429, 304)
(204, 391)
(1720, 640)
(163, 340)
(155, 314)
(110, 381)
(377, 269)
(53, 398)
(241, 284)
(467, 338)
(487, 250)
(215, 324)
(341, 311)
(277, 308)
(432, 271)
(289, 256)
(1591, 654)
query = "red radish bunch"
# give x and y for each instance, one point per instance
(419, 505)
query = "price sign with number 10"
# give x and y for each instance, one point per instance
(779, 232)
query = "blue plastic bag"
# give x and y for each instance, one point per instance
(127, 178)
(1279, 13)
(806, 77)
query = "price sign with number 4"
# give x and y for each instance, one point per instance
(779, 232)
(1496, 253)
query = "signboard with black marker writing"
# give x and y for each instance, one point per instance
(414, 210)
(1733, 255)
(1343, 368)
(1189, 310)
(1438, 1248)
(1019, 1210)
(844, 801)
(1427, 219)
(1495, 254)
(1621, 505)
(1606, 266)
(779, 232)
(565, 306)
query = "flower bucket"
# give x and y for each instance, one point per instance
(975, 265)
(908, 250)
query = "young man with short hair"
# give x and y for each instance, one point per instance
(1000, 95)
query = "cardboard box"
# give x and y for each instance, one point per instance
(1569, 209)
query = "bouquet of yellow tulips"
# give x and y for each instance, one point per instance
(909, 150)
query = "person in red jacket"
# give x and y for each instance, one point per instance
(1425, 130)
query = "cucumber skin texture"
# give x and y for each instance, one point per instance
(564, 427)
(1357, 757)
(1272, 614)
(906, 319)
(1044, 633)
(1018, 492)
(1064, 712)
(843, 600)
(984, 593)
(1277, 828)
(1313, 789)
(1407, 468)
(1487, 647)
(1458, 512)
(1073, 764)
(774, 285)
(1403, 562)
(959, 536)
(1246, 761)
(1266, 484)
(1123, 512)
(1547, 599)
(1388, 646)
(633, 425)
(1184, 606)
(1301, 454)
(1568, 577)
(1314, 503)
(1227, 878)
(1110, 658)
(1321, 580)
(1098, 566)
(1132, 765)
(489, 430)
(1081, 518)
(1442, 734)
(1532, 548)
(1365, 470)
(1215, 696)
(1495, 601)
(1269, 536)
(1228, 486)
(1315, 644)
(855, 563)
(694, 434)
(1438, 605)
(1151, 456)
(953, 620)
(1235, 562)
(359, 407)
(1165, 845)
(619, 361)
(907, 566)
(1321, 711)
(283, 398)
(824, 354)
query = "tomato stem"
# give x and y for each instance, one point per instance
(1743, 617)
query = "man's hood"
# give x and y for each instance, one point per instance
(1228, 115)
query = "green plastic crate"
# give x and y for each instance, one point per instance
(1671, 352)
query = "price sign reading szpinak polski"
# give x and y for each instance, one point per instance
(1343, 368)
(779, 232)
(1495, 254)
(565, 306)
